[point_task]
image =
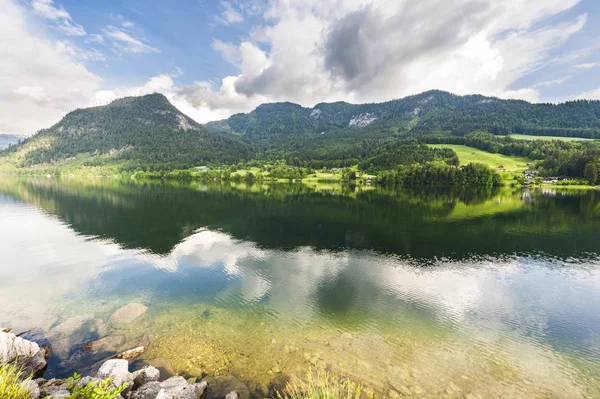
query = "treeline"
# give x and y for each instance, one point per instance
(556, 158)
(406, 152)
(441, 174)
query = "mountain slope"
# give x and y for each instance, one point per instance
(134, 132)
(426, 113)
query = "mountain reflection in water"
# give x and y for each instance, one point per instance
(417, 288)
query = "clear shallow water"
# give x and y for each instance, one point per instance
(451, 294)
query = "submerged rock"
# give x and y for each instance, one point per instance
(131, 353)
(220, 386)
(72, 324)
(231, 395)
(22, 353)
(128, 313)
(110, 343)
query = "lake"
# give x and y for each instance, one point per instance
(423, 292)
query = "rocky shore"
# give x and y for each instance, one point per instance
(145, 383)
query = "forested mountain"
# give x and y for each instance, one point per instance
(134, 132)
(151, 134)
(429, 112)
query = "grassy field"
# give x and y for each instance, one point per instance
(468, 155)
(531, 138)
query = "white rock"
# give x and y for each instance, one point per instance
(21, 352)
(33, 388)
(118, 370)
(232, 395)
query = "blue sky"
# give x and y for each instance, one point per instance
(215, 58)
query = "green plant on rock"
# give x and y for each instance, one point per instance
(10, 383)
(320, 384)
(94, 389)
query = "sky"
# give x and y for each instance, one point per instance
(214, 58)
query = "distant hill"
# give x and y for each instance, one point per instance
(426, 113)
(145, 131)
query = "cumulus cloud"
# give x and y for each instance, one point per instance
(590, 95)
(44, 79)
(311, 51)
(63, 20)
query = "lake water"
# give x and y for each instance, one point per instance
(432, 294)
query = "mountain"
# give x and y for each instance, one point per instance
(432, 112)
(132, 132)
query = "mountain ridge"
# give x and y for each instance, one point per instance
(133, 131)
(432, 111)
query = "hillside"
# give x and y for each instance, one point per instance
(132, 132)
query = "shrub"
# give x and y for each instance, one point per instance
(10, 383)
(94, 389)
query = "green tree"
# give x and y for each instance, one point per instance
(591, 173)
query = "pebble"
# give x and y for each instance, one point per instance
(417, 390)
(393, 394)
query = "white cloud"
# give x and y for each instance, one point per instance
(63, 20)
(590, 95)
(588, 65)
(125, 43)
(346, 50)
(127, 24)
(95, 38)
(554, 82)
(229, 51)
(42, 79)
(230, 15)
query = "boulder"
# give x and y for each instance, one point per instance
(86, 380)
(33, 388)
(145, 375)
(231, 395)
(128, 313)
(200, 388)
(118, 371)
(149, 390)
(55, 389)
(177, 388)
(173, 388)
(62, 394)
(23, 353)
